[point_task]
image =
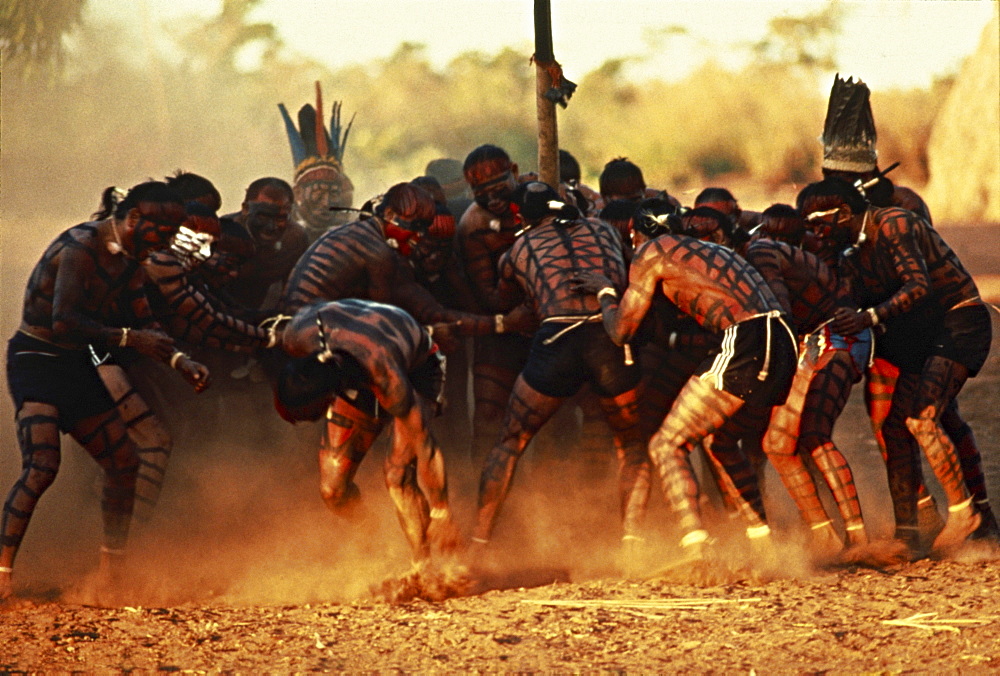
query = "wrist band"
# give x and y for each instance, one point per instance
(112, 552)
(439, 513)
(175, 357)
(607, 291)
(757, 532)
(874, 315)
(430, 330)
(480, 541)
(5, 569)
(672, 341)
(498, 326)
(124, 339)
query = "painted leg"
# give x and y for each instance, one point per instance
(149, 434)
(622, 415)
(348, 436)
(527, 411)
(734, 470)
(105, 438)
(38, 438)
(442, 532)
(699, 411)
(825, 401)
(491, 388)
(939, 384)
(781, 443)
(903, 465)
(972, 470)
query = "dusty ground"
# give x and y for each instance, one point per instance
(243, 570)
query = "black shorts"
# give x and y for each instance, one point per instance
(67, 379)
(962, 335)
(584, 354)
(508, 351)
(756, 361)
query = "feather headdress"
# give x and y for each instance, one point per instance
(312, 144)
(849, 130)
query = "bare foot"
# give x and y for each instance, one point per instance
(444, 536)
(959, 526)
(825, 544)
(878, 554)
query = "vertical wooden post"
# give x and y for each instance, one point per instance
(548, 132)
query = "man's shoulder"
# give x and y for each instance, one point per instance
(295, 236)
(82, 236)
(475, 219)
(909, 199)
(894, 221)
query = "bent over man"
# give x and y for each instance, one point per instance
(363, 364)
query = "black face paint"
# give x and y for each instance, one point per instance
(266, 221)
(496, 194)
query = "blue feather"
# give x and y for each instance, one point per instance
(294, 138)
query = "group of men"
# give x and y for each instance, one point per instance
(707, 329)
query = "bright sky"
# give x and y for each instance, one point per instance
(886, 43)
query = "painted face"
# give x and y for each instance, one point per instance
(402, 234)
(829, 225)
(156, 226)
(318, 190)
(267, 217)
(430, 254)
(495, 194)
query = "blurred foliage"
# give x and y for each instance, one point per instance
(120, 111)
(803, 41)
(32, 33)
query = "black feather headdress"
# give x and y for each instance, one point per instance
(849, 130)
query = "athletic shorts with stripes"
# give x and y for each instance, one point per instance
(756, 361)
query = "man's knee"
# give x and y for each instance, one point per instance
(340, 496)
(923, 424)
(487, 413)
(41, 467)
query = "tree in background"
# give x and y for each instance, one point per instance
(212, 108)
(32, 33)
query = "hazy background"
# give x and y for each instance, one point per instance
(730, 93)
